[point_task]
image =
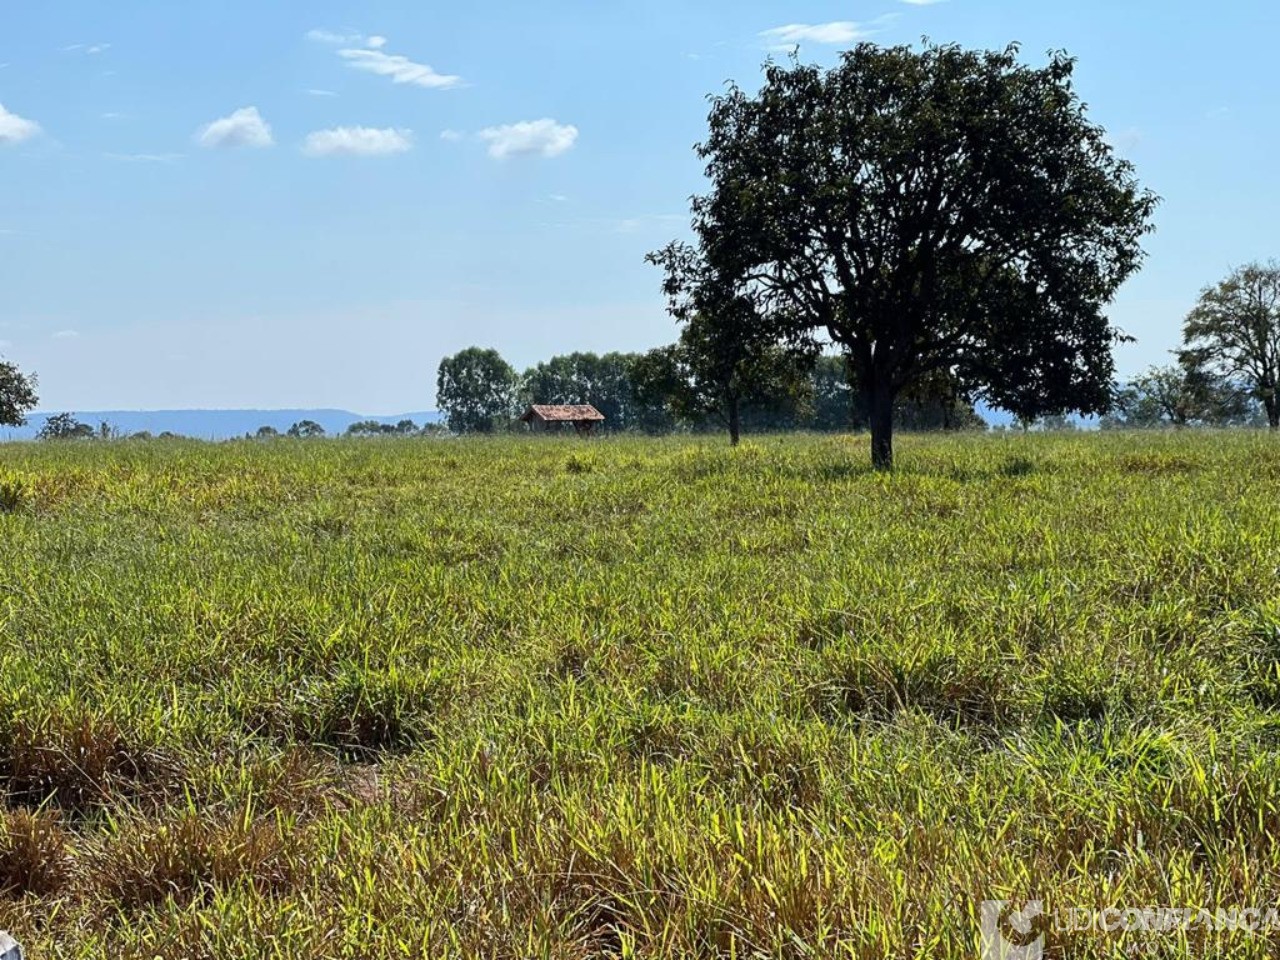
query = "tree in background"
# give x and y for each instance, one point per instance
(17, 395)
(65, 426)
(306, 430)
(368, 428)
(1179, 395)
(935, 211)
(1234, 332)
(266, 433)
(693, 383)
(476, 390)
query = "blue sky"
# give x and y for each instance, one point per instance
(260, 203)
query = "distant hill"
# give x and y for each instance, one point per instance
(211, 424)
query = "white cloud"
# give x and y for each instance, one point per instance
(838, 31)
(357, 142)
(451, 136)
(922, 3)
(329, 36)
(16, 129)
(399, 69)
(66, 335)
(244, 128)
(321, 93)
(544, 138)
(376, 43)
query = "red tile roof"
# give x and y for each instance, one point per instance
(564, 412)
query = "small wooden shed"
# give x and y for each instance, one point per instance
(543, 418)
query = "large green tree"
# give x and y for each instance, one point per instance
(476, 390)
(929, 210)
(1235, 331)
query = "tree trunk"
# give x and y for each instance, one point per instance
(880, 412)
(1273, 412)
(735, 421)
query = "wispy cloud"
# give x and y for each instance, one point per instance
(368, 54)
(244, 128)
(921, 3)
(1127, 140)
(833, 33)
(337, 39)
(88, 49)
(145, 157)
(399, 69)
(16, 129)
(357, 142)
(543, 138)
(636, 224)
(321, 93)
(66, 335)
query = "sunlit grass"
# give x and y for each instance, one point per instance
(629, 697)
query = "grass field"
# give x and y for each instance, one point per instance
(639, 698)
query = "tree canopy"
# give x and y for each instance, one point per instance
(476, 390)
(939, 210)
(65, 426)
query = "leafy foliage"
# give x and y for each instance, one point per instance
(17, 395)
(306, 430)
(65, 426)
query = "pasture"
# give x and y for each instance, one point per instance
(631, 697)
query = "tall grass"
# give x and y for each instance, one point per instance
(633, 698)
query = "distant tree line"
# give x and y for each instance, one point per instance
(673, 388)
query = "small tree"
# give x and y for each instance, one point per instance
(65, 426)
(476, 390)
(266, 433)
(1234, 331)
(729, 347)
(702, 376)
(17, 395)
(306, 430)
